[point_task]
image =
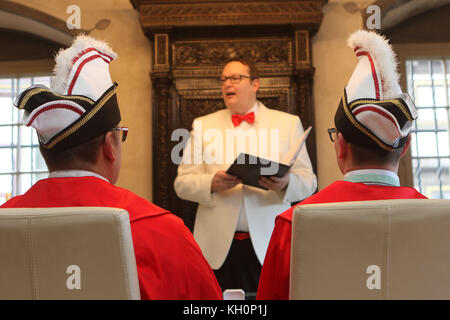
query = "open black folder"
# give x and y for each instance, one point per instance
(250, 168)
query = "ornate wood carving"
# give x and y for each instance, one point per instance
(193, 39)
(206, 54)
(162, 145)
(157, 15)
(304, 107)
(302, 49)
(161, 46)
(197, 107)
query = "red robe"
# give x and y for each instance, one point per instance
(274, 279)
(169, 262)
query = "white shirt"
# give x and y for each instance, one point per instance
(242, 224)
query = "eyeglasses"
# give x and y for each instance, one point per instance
(332, 132)
(124, 132)
(234, 79)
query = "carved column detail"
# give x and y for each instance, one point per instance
(302, 55)
(305, 108)
(161, 45)
(162, 145)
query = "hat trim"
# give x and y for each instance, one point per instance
(396, 102)
(374, 73)
(362, 128)
(54, 106)
(35, 91)
(373, 108)
(82, 53)
(384, 114)
(77, 73)
(88, 116)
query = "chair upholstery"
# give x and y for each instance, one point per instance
(67, 253)
(337, 248)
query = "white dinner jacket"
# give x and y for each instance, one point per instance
(217, 213)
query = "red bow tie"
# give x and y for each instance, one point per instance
(237, 119)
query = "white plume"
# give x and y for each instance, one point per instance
(384, 58)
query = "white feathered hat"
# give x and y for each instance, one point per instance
(374, 112)
(82, 103)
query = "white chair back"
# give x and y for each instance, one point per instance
(390, 249)
(67, 253)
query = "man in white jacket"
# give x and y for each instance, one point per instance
(234, 221)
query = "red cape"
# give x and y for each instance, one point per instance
(274, 279)
(169, 262)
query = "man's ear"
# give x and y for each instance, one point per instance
(343, 147)
(408, 142)
(109, 151)
(255, 84)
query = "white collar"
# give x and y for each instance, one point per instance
(373, 176)
(254, 109)
(74, 173)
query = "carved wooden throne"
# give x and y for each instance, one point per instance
(191, 42)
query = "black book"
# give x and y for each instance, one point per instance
(250, 168)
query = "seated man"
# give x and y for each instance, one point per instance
(372, 122)
(77, 125)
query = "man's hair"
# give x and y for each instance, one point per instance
(86, 153)
(254, 74)
(366, 156)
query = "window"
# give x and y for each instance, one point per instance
(429, 86)
(21, 163)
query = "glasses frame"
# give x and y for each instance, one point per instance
(124, 132)
(236, 80)
(332, 132)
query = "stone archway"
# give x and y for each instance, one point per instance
(20, 18)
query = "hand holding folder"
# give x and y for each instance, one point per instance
(250, 168)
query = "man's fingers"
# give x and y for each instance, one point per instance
(232, 183)
(272, 183)
(225, 176)
(225, 186)
(265, 183)
(268, 181)
(276, 179)
(265, 179)
(230, 179)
